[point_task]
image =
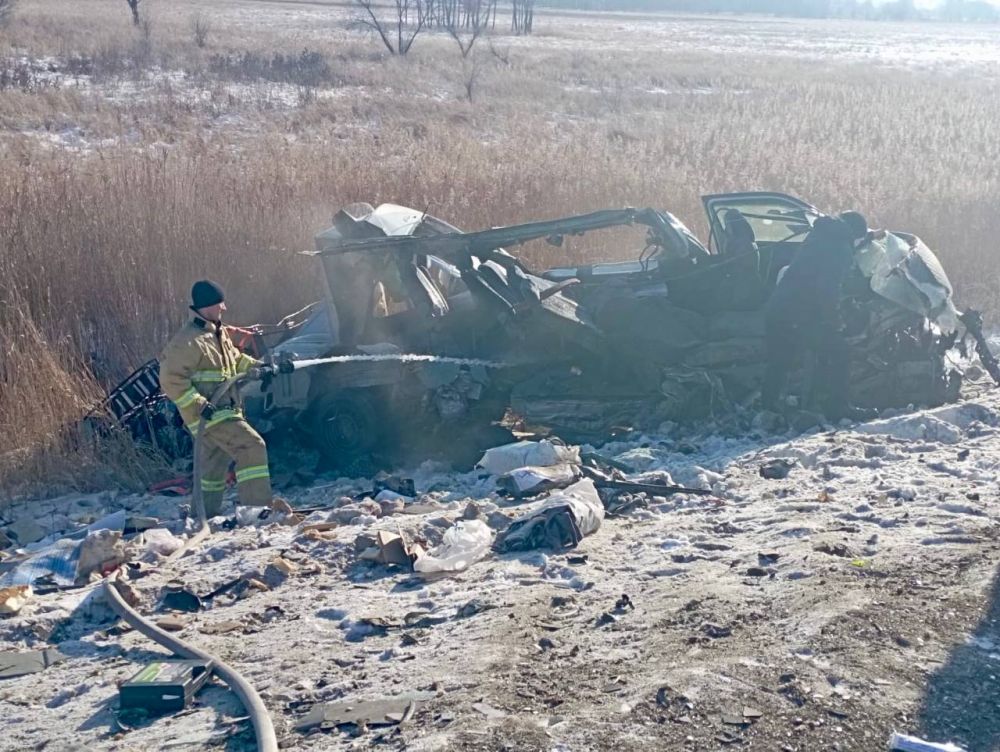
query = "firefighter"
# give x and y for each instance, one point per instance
(199, 359)
(803, 316)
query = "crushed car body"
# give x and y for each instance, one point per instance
(580, 350)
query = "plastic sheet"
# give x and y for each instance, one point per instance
(464, 544)
(161, 541)
(528, 481)
(904, 743)
(504, 459)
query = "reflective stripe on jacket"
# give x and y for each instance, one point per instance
(198, 359)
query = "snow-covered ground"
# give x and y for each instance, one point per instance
(821, 611)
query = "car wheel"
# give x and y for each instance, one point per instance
(345, 427)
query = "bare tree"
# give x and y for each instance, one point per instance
(466, 42)
(405, 34)
(522, 16)
(133, 5)
(471, 69)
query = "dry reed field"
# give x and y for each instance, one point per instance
(217, 137)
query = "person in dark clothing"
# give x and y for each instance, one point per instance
(803, 314)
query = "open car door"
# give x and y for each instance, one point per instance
(773, 217)
(768, 226)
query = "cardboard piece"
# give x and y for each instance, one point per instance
(392, 549)
(13, 599)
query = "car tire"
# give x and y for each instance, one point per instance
(345, 427)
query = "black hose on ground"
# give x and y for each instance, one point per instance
(263, 727)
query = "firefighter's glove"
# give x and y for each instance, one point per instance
(208, 411)
(286, 366)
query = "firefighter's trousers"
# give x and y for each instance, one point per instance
(234, 439)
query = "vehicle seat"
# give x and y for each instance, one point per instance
(739, 237)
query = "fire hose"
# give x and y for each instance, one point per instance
(259, 717)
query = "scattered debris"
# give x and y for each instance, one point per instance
(161, 541)
(624, 603)
(25, 530)
(465, 543)
(101, 551)
(283, 565)
(181, 599)
(386, 712)
(60, 561)
(388, 548)
(777, 469)
(834, 548)
(735, 719)
(904, 743)
(506, 459)
(473, 607)
(318, 527)
(14, 664)
(128, 593)
(393, 484)
(222, 627)
(13, 599)
(530, 481)
(491, 713)
(716, 631)
(561, 522)
(171, 623)
(653, 489)
(138, 523)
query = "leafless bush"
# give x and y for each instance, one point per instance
(500, 55)
(23, 76)
(308, 68)
(200, 29)
(133, 5)
(142, 50)
(405, 34)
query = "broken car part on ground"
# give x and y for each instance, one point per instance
(661, 593)
(429, 337)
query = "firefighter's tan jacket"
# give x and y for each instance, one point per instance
(198, 359)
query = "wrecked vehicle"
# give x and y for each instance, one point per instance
(430, 336)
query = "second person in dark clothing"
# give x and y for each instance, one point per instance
(803, 315)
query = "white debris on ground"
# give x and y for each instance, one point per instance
(826, 609)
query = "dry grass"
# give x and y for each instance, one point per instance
(122, 179)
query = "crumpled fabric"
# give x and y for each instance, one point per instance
(560, 523)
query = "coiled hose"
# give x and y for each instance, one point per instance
(263, 727)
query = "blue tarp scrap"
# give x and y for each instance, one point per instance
(59, 559)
